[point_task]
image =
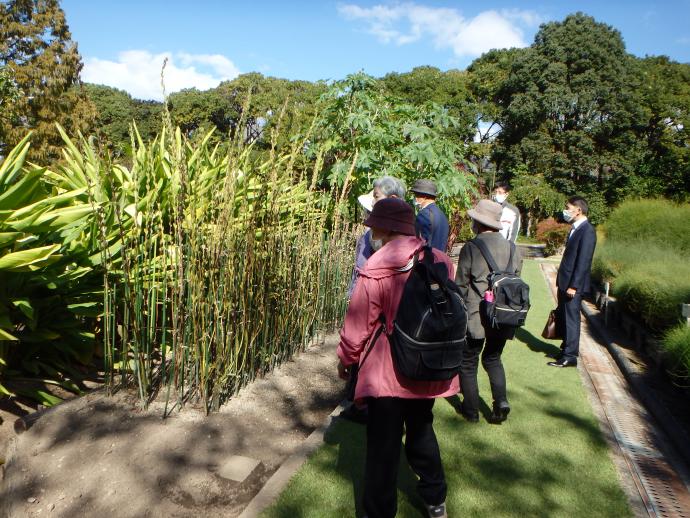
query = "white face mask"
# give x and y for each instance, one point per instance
(567, 216)
(500, 198)
(376, 244)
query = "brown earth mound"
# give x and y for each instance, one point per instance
(99, 455)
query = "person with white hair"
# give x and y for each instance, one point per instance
(384, 187)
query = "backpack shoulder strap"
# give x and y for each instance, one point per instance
(374, 337)
(487, 255)
(509, 267)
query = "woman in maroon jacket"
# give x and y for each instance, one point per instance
(395, 403)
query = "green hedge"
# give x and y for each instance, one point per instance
(644, 222)
(650, 281)
(644, 254)
(676, 343)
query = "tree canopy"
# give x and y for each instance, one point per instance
(363, 133)
(36, 45)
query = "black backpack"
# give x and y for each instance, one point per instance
(510, 304)
(428, 334)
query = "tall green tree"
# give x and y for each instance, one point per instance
(448, 89)
(363, 133)
(9, 94)
(568, 109)
(114, 115)
(36, 44)
(485, 78)
(664, 96)
(254, 98)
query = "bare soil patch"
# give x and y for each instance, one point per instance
(96, 455)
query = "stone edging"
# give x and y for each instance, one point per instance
(277, 482)
(668, 423)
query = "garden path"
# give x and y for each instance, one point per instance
(97, 455)
(653, 475)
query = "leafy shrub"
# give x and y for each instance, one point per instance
(553, 234)
(654, 290)
(660, 222)
(676, 344)
(643, 254)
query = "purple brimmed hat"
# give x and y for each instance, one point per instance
(392, 214)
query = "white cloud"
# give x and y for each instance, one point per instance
(138, 72)
(446, 27)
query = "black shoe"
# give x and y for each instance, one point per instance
(500, 412)
(355, 414)
(564, 362)
(472, 417)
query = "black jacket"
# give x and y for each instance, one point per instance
(574, 271)
(473, 273)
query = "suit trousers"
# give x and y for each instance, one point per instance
(387, 417)
(568, 320)
(491, 361)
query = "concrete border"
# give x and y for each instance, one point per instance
(679, 438)
(277, 482)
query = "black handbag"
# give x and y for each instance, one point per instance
(353, 369)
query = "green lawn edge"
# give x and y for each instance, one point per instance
(548, 459)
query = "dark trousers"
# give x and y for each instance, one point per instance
(568, 320)
(491, 361)
(387, 416)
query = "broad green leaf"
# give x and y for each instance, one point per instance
(41, 396)
(59, 217)
(4, 335)
(24, 258)
(88, 309)
(8, 237)
(23, 220)
(21, 192)
(14, 161)
(25, 307)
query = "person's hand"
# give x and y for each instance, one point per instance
(570, 292)
(343, 372)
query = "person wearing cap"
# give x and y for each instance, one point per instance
(472, 279)
(384, 187)
(431, 223)
(396, 404)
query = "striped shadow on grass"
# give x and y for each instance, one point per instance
(548, 459)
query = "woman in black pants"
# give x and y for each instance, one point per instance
(472, 279)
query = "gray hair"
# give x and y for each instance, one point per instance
(390, 186)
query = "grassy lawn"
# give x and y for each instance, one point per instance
(548, 459)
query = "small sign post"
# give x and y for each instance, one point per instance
(685, 310)
(607, 287)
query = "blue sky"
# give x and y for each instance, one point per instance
(123, 43)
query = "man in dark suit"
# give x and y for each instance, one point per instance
(573, 280)
(431, 223)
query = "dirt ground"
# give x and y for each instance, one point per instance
(99, 455)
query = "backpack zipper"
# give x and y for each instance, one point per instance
(419, 328)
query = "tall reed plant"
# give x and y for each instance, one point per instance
(223, 268)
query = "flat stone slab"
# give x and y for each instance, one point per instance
(237, 468)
